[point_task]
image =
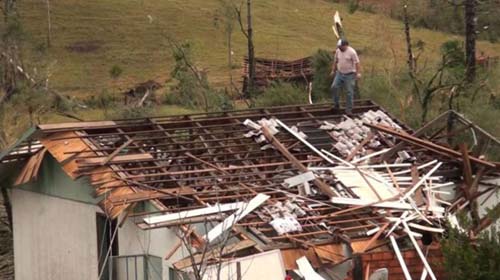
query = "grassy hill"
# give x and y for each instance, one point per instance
(89, 37)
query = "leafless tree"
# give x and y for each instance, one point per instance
(197, 73)
(411, 61)
(248, 33)
(470, 22)
(470, 39)
(226, 16)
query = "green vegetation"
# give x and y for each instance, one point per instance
(192, 88)
(466, 260)
(443, 16)
(322, 80)
(89, 37)
(281, 94)
(100, 48)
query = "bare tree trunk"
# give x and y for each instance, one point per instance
(251, 53)
(470, 39)
(49, 26)
(8, 8)
(7, 205)
(8, 80)
(230, 59)
(411, 62)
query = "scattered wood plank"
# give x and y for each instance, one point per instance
(400, 258)
(234, 218)
(220, 208)
(431, 146)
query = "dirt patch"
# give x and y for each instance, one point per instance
(6, 247)
(85, 46)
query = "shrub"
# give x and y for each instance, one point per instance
(279, 94)
(104, 100)
(464, 260)
(191, 88)
(322, 65)
(131, 112)
(352, 6)
(115, 72)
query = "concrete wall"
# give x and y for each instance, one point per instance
(53, 181)
(54, 238)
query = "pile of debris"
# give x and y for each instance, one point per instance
(312, 186)
(141, 93)
(271, 70)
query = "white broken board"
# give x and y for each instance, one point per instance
(299, 179)
(219, 208)
(235, 217)
(307, 270)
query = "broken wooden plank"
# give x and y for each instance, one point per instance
(410, 192)
(219, 208)
(325, 188)
(431, 146)
(235, 217)
(419, 251)
(426, 228)
(118, 159)
(400, 258)
(384, 204)
(30, 170)
(117, 151)
(77, 125)
(299, 179)
(374, 238)
(307, 270)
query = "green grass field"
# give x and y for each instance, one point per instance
(126, 36)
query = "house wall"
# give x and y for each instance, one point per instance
(156, 242)
(53, 181)
(54, 238)
(55, 215)
(267, 265)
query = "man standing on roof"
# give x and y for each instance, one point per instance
(346, 69)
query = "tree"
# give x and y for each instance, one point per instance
(248, 33)
(470, 7)
(466, 259)
(9, 49)
(192, 88)
(411, 61)
(447, 78)
(226, 16)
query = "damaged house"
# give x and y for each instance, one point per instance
(271, 193)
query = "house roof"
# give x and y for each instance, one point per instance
(310, 174)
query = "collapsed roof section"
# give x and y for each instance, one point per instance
(283, 177)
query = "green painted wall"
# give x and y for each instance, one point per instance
(53, 181)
